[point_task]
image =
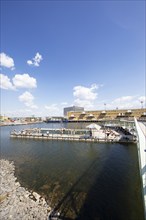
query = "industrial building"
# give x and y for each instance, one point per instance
(72, 109)
(100, 115)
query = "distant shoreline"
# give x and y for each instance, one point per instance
(23, 123)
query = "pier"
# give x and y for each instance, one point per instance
(87, 135)
(141, 131)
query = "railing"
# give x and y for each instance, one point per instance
(141, 132)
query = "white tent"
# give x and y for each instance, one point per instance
(94, 126)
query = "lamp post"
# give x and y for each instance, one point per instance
(141, 104)
(105, 106)
(105, 121)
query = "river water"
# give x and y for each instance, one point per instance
(93, 181)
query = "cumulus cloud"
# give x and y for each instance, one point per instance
(24, 81)
(127, 102)
(36, 60)
(124, 99)
(28, 99)
(85, 96)
(5, 82)
(18, 81)
(6, 61)
(86, 93)
(87, 104)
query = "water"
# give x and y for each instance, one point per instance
(98, 181)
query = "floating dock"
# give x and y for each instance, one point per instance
(86, 135)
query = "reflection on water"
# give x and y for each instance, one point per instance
(82, 180)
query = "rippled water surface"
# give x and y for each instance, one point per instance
(97, 181)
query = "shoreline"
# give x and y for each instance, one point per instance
(16, 202)
(21, 123)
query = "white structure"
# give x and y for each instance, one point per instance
(141, 131)
(94, 126)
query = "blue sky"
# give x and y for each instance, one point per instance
(56, 54)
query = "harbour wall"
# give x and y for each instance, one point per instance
(66, 138)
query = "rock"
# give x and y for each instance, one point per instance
(3, 197)
(37, 196)
(43, 202)
(16, 202)
(49, 209)
(17, 184)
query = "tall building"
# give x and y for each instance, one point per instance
(73, 109)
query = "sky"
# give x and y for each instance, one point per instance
(56, 54)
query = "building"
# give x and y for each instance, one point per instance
(3, 118)
(100, 115)
(54, 119)
(73, 109)
(31, 119)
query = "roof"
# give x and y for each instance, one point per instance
(94, 126)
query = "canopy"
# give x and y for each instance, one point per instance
(94, 126)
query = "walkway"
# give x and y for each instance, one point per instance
(141, 131)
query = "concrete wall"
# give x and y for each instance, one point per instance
(141, 130)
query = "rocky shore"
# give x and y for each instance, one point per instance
(15, 201)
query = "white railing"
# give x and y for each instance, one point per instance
(141, 131)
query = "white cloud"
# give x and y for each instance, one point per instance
(142, 98)
(18, 81)
(29, 62)
(124, 99)
(85, 96)
(87, 104)
(86, 93)
(127, 102)
(36, 60)
(27, 98)
(24, 81)
(52, 109)
(5, 82)
(6, 61)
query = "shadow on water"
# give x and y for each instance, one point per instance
(115, 205)
(69, 201)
